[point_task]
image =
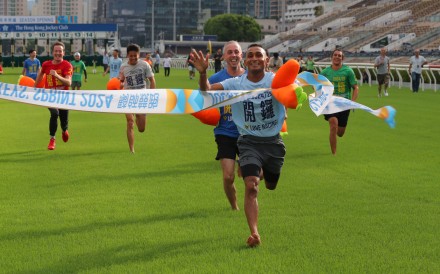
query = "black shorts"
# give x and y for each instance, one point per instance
(341, 116)
(258, 153)
(75, 84)
(226, 147)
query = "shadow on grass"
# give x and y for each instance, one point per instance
(41, 154)
(121, 255)
(150, 220)
(167, 171)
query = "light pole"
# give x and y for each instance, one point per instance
(174, 21)
(152, 25)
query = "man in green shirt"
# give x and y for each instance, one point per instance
(345, 84)
(78, 68)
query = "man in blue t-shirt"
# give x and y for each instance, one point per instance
(31, 66)
(226, 133)
(114, 65)
(259, 121)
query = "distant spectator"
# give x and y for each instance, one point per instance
(302, 64)
(156, 62)
(382, 63)
(365, 77)
(310, 64)
(191, 68)
(167, 65)
(416, 62)
(218, 58)
(105, 60)
(275, 62)
(148, 59)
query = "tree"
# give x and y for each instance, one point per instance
(233, 27)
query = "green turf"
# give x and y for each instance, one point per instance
(92, 207)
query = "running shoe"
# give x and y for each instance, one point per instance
(65, 136)
(51, 145)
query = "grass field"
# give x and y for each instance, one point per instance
(92, 207)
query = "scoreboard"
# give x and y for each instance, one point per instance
(58, 31)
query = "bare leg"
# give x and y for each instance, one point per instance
(130, 131)
(141, 122)
(333, 123)
(251, 208)
(228, 168)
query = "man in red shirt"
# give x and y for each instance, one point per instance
(58, 76)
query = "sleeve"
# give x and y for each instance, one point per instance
(228, 84)
(352, 78)
(68, 70)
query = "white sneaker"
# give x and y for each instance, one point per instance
(386, 93)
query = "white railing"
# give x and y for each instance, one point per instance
(400, 75)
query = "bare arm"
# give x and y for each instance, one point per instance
(66, 81)
(106, 71)
(355, 93)
(122, 79)
(152, 82)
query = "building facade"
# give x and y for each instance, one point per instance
(13, 8)
(136, 18)
(70, 8)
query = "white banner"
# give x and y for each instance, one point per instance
(178, 101)
(173, 101)
(322, 100)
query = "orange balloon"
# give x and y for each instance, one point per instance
(114, 84)
(42, 83)
(208, 116)
(286, 95)
(286, 75)
(26, 81)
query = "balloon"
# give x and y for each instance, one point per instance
(291, 96)
(26, 81)
(286, 75)
(114, 84)
(209, 116)
(42, 83)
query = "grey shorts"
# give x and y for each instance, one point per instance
(265, 152)
(75, 84)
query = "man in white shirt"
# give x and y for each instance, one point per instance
(416, 62)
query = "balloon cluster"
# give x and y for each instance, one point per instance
(284, 88)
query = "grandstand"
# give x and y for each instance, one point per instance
(372, 24)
